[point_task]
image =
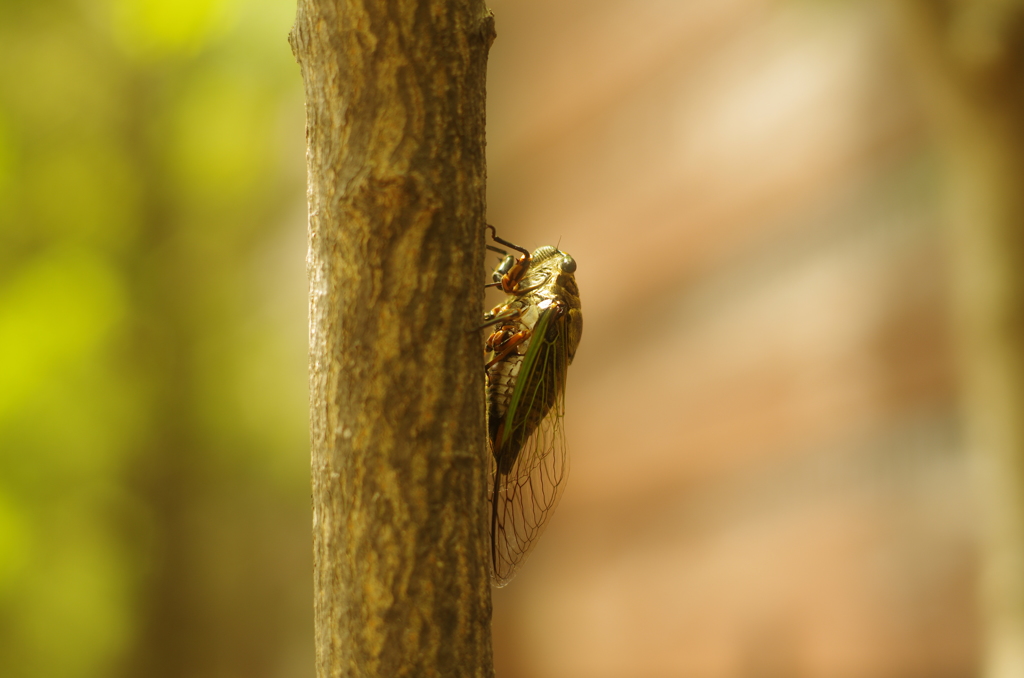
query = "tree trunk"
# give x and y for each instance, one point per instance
(969, 56)
(395, 151)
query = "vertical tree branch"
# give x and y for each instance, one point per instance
(395, 150)
(970, 58)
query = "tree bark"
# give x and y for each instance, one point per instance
(395, 151)
(970, 56)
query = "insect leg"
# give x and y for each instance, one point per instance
(510, 271)
(506, 346)
(490, 319)
(526, 290)
(506, 243)
(499, 337)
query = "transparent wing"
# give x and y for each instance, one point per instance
(529, 467)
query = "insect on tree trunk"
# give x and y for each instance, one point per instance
(395, 152)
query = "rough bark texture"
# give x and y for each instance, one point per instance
(971, 59)
(395, 133)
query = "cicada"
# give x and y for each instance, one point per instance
(533, 339)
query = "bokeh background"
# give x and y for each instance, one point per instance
(769, 478)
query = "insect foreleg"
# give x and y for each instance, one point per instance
(526, 290)
(506, 243)
(510, 271)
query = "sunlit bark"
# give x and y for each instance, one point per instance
(970, 58)
(395, 133)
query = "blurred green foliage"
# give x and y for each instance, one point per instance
(153, 448)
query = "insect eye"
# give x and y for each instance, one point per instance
(568, 263)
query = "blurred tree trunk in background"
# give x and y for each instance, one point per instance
(970, 59)
(395, 132)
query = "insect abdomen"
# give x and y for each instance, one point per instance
(512, 424)
(501, 381)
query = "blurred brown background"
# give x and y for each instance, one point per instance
(767, 474)
(769, 478)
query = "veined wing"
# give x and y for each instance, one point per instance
(529, 461)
